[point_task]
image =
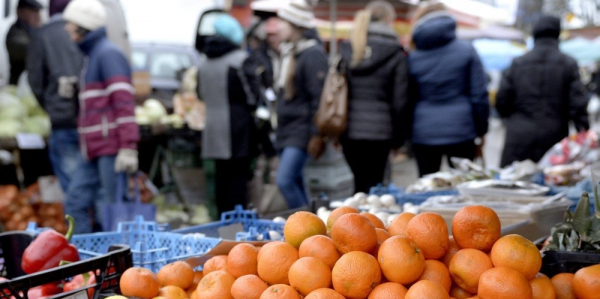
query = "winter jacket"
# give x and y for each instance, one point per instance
(230, 128)
(448, 85)
(106, 117)
(378, 88)
(53, 55)
(539, 94)
(18, 39)
(295, 116)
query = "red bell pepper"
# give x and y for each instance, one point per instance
(80, 281)
(43, 291)
(48, 249)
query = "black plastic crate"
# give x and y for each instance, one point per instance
(556, 262)
(12, 246)
(108, 269)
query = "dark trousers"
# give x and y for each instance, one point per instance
(429, 157)
(231, 183)
(367, 160)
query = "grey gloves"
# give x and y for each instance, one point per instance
(127, 161)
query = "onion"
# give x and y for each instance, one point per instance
(26, 211)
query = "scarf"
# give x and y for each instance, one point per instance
(289, 51)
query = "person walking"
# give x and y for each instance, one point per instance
(18, 37)
(303, 70)
(54, 61)
(230, 133)
(538, 96)
(378, 94)
(108, 132)
(447, 89)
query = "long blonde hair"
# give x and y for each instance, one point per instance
(358, 39)
(427, 8)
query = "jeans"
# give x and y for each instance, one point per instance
(65, 155)
(290, 177)
(82, 197)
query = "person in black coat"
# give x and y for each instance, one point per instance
(230, 134)
(378, 92)
(54, 64)
(539, 94)
(303, 71)
(18, 37)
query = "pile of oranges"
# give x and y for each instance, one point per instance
(355, 256)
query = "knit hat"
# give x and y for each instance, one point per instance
(298, 12)
(87, 14)
(547, 26)
(33, 4)
(57, 6)
(228, 27)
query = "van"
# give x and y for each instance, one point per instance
(116, 28)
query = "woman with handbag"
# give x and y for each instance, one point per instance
(377, 86)
(303, 70)
(448, 91)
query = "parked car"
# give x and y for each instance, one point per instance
(164, 63)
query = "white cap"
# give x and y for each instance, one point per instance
(87, 14)
(298, 12)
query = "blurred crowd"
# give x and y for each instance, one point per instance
(264, 87)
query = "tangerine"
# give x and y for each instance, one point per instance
(274, 262)
(172, 292)
(215, 263)
(217, 285)
(430, 232)
(399, 224)
(401, 252)
(518, 253)
(586, 282)
(504, 283)
(476, 227)
(377, 223)
(355, 275)
(248, 287)
(308, 274)
(388, 290)
(320, 247)
(280, 291)
(542, 287)
(242, 260)
(436, 271)
(336, 213)
(139, 282)
(427, 289)
(467, 266)
(302, 225)
(563, 286)
(179, 274)
(324, 294)
(453, 248)
(353, 232)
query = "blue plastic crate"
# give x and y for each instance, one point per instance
(253, 227)
(150, 247)
(414, 198)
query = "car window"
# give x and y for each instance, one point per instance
(165, 65)
(139, 60)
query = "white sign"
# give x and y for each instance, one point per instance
(30, 141)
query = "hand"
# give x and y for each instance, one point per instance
(127, 161)
(479, 147)
(316, 147)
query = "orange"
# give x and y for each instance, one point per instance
(353, 232)
(401, 260)
(374, 220)
(194, 295)
(335, 214)
(476, 227)
(382, 235)
(518, 253)
(172, 292)
(504, 283)
(139, 282)
(459, 293)
(453, 248)
(302, 225)
(308, 274)
(242, 260)
(398, 226)
(356, 274)
(248, 287)
(179, 274)
(437, 271)
(324, 294)
(215, 263)
(274, 262)
(388, 290)
(467, 266)
(430, 232)
(563, 286)
(427, 289)
(586, 282)
(216, 284)
(542, 287)
(320, 247)
(197, 277)
(280, 291)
